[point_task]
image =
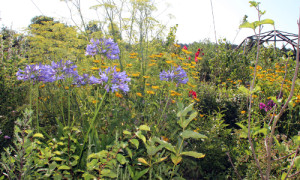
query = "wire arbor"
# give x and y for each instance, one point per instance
(270, 36)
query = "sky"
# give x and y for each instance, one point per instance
(197, 20)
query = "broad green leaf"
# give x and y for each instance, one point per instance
(64, 167)
(142, 160)
(141, 136)
(266, 21)
(186, 122)
(129, 152)
(126, 132)
(247, 25)
(144, 127)
(121, 158)
(261, 130)
(108, 173)
(88, 176)
(185, 111)
(283, 176)
(38, 135)
(135, 142)
(176, 159)
(191, 134)
(193, 154)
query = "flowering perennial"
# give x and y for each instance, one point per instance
(103, 46)
(177, 75)
(60, 71)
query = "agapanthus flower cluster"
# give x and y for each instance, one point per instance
(177, 75)
(114, 80)
(268, 106)
(48, 73)
(103, 46)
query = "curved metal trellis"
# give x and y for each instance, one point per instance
(271, 36)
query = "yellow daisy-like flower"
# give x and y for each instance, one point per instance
(180, 58)
(96, 61)
(139, 94)
(150, 92)
(196, 77)
(152, 64)
(176, 45)
(135, 74)
(118, 95)
(169, 62)
(153, 61)
(202, 115)
(94, 101)
(243, 112)
(192, 66)
(152, 56)
(94, 68)
(194, 63)
(155, 87)
(173, 101)
(128, 65)
(118, 69)
(199, 58)
(67, 87)
(147, 84)
(133, 54)
(104, 67)
(146, 77)
(197, 99)
(189, 84)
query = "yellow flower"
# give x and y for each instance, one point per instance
(128, 65)
(243, 112)
(94, 101)
(135, 74)
(197, 99)
(66, 87)
(202, 115)
(94, 68)
(133, 54)
(173, 101)
(180, 58)
(151, 64)
(139, 94)
(192, 66)
(43, 85)
(189, 84)
(96, 61)
(118, 69)
(196, 77)
(194, 63)
(176, 45)
(155, 87)
(146, 77)
(164, 138)
(150, 92)
(169, 62)
(104, 67)
(147, 84)
(153, 61)
(118, 95)
(199, 58)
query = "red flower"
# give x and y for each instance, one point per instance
(193, 94)
(184, 47)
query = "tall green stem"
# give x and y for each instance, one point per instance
(162, 113)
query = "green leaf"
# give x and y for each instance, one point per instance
(193, 154)
(121, 158)
(186, 122)
(126, 132)
(297, 162)
(283, 176)
(38, 135)
(141, 173)
(184, 112)
(135, 142)
(247, 25)
(191, 134)
(267, 21)
(129, 152)
(108, 173)
(176, 159)
(88, 176)
(64, 167)
(57, 159)
(144, 127)
(141, 136)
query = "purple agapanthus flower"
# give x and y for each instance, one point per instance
(6, 137)
(177, 75)
(115, 80)
(103, 46)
